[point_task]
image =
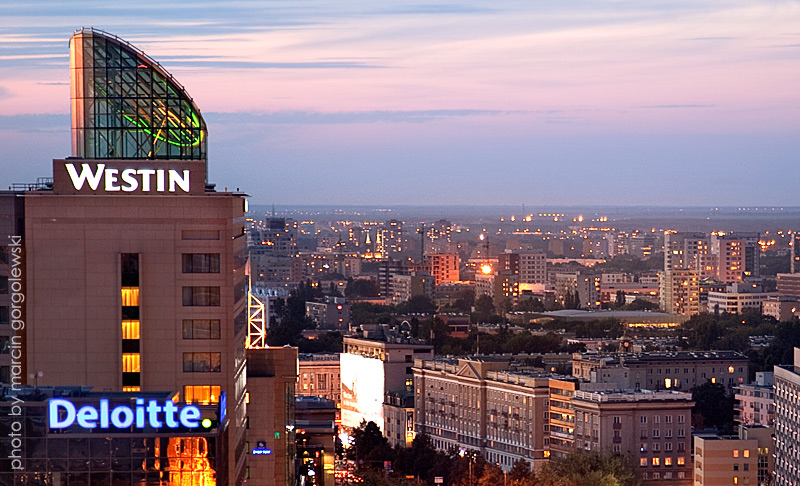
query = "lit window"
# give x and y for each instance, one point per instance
(736, 480)
(667, 461)
(131, 388)
(130, 363)
(202, 394)
(746, 453)
(730, 369)
(656, 461)
(643, 462)
(130, 329)
(681, 461)
(736, 453)
(130, 296)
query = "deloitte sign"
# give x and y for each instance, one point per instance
(63, 414)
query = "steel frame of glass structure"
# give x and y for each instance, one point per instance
(126, 106)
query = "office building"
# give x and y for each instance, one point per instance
(134, 264)
(184, 446)
(787, 422)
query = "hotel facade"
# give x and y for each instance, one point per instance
(134, 264)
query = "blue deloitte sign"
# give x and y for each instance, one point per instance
(63, 414)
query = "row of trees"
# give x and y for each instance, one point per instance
(423, 462)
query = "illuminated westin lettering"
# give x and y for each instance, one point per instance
(129, 180)
(121, 417)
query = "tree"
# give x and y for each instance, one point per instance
(713, 407)
(369, 445)
(521, 474)
(417, 304)
(492, 476)
(588, 469)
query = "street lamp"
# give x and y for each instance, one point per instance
(463, 452)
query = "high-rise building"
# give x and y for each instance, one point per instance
(679, 291)
(134, 265)
(444, 267)
(787, 422)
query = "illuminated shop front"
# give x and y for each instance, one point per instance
(71, 436)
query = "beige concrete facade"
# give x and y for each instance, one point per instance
(180, 327)
(675, 370)
(653, 429)
(475, 404)
(319, 376)
(722, 461)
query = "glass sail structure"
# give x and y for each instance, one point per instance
(126, 106)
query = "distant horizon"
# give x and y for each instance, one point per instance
(594, 104)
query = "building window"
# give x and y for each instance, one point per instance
(736, 453)
(746, 453)
(202, 394)
(201, 263)
(130, 296)
(643, 462)
(130, 329)
(130, 363)
(681, 461)
(4, 314)
(201, 296)
(667, 461)
(201, 362)
(201, 329)
(656, 461)
(681, 432)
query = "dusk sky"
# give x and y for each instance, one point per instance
(678, 103)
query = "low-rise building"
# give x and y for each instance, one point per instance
(681, 370)
(319, 375)
(755, 403)
(722, 460)
(738, 297)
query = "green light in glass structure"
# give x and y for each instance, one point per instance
(126, 106)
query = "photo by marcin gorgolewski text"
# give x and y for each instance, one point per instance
(17, 291)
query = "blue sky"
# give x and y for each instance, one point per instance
(462, 102)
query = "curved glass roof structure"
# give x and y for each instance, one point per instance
(126, 106)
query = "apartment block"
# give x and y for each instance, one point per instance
(680, 370)
(755, 402)
(653, 429)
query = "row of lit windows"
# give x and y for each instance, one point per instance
(657, 461)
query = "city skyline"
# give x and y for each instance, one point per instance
(452, 103)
